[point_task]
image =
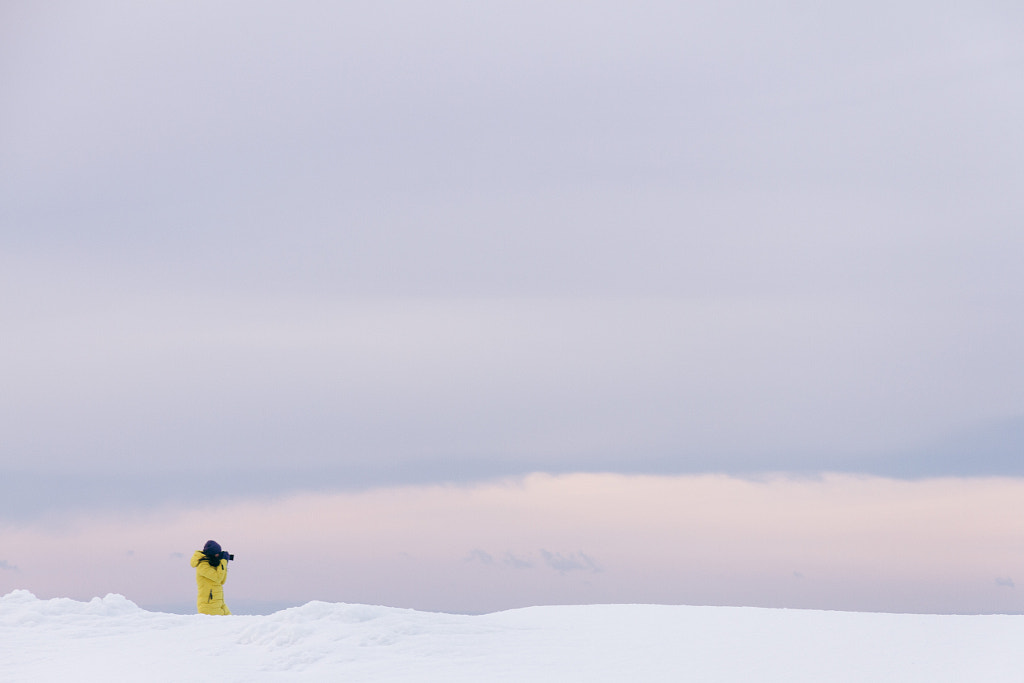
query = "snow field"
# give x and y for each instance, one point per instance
(112, 639)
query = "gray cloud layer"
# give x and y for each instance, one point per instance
(349, 245)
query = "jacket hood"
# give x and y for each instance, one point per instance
(196, 556)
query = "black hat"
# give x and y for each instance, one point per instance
(211, 548)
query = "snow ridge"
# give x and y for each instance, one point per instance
(112, 639)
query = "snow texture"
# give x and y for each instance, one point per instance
(112, 639)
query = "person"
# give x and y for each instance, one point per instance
(211, 565)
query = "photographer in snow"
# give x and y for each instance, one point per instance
(211, 565)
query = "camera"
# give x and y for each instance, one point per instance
(225, 555)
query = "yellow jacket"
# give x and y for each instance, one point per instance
(210, 582)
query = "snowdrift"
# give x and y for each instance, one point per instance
(112, 639)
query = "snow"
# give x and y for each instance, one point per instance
(112, 639)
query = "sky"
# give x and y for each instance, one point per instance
(253, 254)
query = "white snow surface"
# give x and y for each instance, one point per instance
(112, 639)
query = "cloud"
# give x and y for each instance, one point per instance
(991, 448)
(516, 562)
(1005, 582)
(8, 567)
(359, 252)
(562, 563)
(279, 401)
(570, 562)
(481, 556)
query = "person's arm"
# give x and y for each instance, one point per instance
(212, 574)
